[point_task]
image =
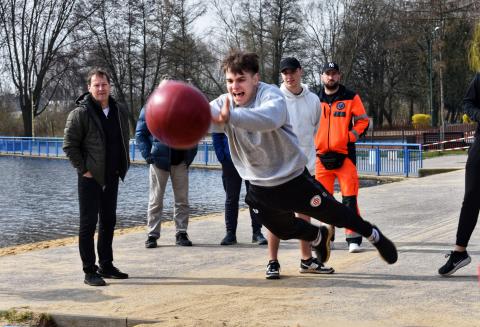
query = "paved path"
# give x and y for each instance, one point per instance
(212, 285)
(451, 161)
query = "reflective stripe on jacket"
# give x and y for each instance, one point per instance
(341, 122)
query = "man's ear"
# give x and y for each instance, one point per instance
(256, 78)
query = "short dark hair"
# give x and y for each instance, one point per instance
(239, 62)
(97, 71)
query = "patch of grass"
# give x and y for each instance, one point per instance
(433, 154)
(26, 318)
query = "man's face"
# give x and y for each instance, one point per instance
(292, 78)
(100, 89)
(242, 87)
(331, 79)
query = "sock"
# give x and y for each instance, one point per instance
(459, 254)
(308, 261)
(375, 237)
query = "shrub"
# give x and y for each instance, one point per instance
(466, 119)
(421, 121)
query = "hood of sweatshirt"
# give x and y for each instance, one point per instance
(289, 94)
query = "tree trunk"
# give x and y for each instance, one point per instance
(27, 120)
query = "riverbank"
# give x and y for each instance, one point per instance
(22, 248)
(433, 165)
(213, 285)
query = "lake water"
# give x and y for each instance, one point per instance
(38, 198)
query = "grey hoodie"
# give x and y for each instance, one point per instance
(264, 148)
(304, 113)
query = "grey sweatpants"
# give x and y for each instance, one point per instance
(158, 182)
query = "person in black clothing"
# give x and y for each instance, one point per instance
(459, 257)
(96, 143)
(232, 184)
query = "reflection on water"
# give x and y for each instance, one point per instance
(38, 198)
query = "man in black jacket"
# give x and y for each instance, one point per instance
(459, 257)
(96, 143)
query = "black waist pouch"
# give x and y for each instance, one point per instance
(332, 160)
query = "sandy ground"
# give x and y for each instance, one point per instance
(212, 285)
(17, 249)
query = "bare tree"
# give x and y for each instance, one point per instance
(323, 28)
(183, 59)
(130, 40)
(36, 35)
(228, 33)
(268, 28)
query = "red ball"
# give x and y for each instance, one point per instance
(178, 114)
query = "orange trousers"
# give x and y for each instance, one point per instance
(347, 179)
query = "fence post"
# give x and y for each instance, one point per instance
(378, 160)
(406, 160)
(421, 155)
(205, 148)
(132, 150)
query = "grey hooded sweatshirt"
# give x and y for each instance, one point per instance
(264, 148)
(304, 112)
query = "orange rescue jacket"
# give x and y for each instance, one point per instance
(341, 122)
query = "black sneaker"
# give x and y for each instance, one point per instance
(313, 266)
(273, 270)
(182, 239)
(259, 239)
(322, 250)
(229, 239)
(111, 272)
(456, 260)
(385, 247)
(94, 279)
(151, 242)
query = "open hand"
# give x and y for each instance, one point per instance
(224, 115)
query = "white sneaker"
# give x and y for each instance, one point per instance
(354, 248)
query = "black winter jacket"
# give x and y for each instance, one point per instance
(84, 139)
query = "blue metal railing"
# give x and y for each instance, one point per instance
(389, 158)
(372, 158)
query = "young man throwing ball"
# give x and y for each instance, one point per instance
(265, 152)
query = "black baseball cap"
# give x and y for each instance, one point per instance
(289, 63)
(329, 66)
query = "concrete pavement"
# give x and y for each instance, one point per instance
(213, 285)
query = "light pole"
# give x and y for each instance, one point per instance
(430, 80)
(442, 102)
(32, 103)
(433, 112)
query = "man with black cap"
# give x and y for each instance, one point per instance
(303, 109)
(343, 120)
